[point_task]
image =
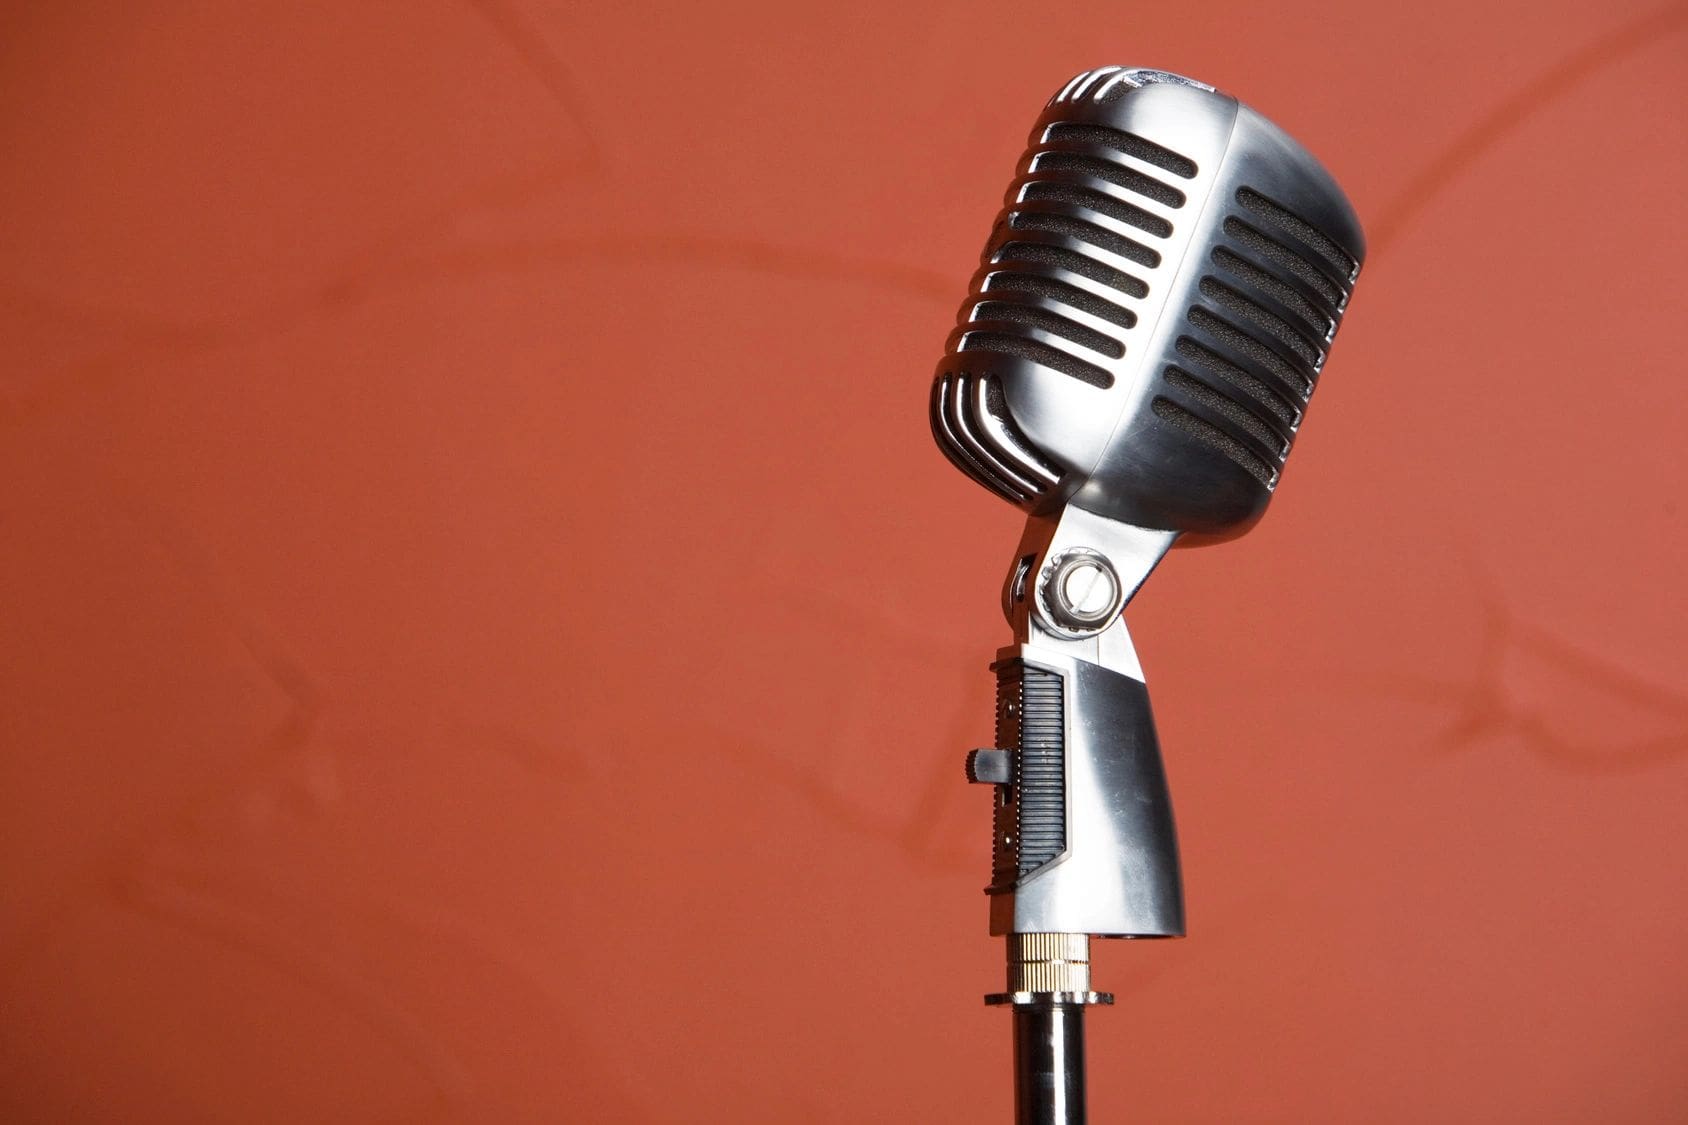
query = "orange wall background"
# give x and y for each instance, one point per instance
(485, 635)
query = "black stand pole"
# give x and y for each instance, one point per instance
(1048, 1063)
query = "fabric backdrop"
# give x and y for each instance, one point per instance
(485, 635)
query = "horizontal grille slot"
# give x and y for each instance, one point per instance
(1270, 250)
(1250, 348)
(1117, 174)
(1217, 365)
(1037, 351)
(1316, 322)
(1097, 236)
(1279, 329)
(1033, 317)
(1059, 257)
(1129, 143)
(1294, 225)
(1241, 417)
(1209, 434)
(1115, 209)
(1059, 291)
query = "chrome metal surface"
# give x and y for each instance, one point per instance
(1118, 874)
(1080, 591)
(1153, 309)
(1116, 871)
(1005, 999)
(1050, 963)
(1049, 1064)
(1132, 553)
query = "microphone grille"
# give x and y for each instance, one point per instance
(1152, 309)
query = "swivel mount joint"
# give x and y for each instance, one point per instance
(1082, 837)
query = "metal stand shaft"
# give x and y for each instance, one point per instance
(1048, 1064)
(1048, 989)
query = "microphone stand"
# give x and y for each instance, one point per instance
(1049, 1045)
(1049, 1063)
(1083, 842)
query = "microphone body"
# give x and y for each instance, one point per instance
(1134, 358)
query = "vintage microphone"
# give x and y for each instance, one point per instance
(1154, 307)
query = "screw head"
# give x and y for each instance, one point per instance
(1081, 591)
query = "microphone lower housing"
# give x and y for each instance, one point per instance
(1083, 836)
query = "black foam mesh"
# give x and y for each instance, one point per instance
(1275, 252)
(1248, 347)
(1038, 352)
(1215, 364)
(1059, 257)
(1208, 434)
(1313, 321)
(1291, 223)
(1117, 174)
(1086, 232)
(1245, 420)
(1033, 317)
(1263, 318)
(1064, 132)
(1059, 291)
(1118, 210)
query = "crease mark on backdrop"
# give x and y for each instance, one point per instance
(927, 834)
(164, 345)
(246, 918)
(291, 743)
(254, 776)
(396, 259)
(1486, 708)
(256, 935)
(922, 834)
(153, 874)
(529, 45)
(1531, 99)
(749, 254)
(517, 34)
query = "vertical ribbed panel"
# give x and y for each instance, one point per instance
(1031, 821)
(1041, 769)
(1005, 854)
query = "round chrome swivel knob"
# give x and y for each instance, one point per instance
(1080, 591)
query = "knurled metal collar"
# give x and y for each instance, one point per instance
(1049, 969)
(1023, 999)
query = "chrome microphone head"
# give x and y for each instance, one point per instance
(1154, 307)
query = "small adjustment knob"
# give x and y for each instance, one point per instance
(1080, 591)
(990, 765)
